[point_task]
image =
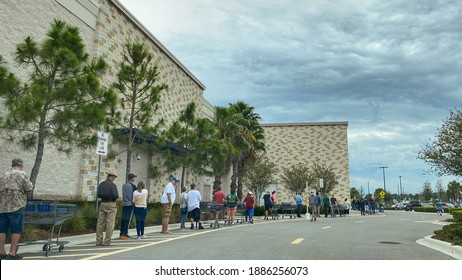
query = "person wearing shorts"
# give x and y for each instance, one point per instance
(14, 186)
(194, 202)
(219, 200)
(249, 205)
(231, 202)
(268, 204)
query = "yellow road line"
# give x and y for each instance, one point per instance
(297, 241)
(141, 246)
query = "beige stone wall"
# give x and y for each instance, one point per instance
(105, 27)
(59, 175)
(288, 144)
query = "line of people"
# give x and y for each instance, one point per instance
(330, 206)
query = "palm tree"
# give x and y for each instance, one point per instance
(250, 142)
(241, 138)
(227, 126)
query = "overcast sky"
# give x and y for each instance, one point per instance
(392, 69)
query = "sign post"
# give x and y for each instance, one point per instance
(101, 150)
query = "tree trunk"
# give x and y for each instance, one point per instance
(38, 162)
(233, 185)
(240, 178)
(217, 182)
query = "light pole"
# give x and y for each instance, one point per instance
(383, 169)
(401, 189)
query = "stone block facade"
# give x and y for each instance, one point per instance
(293, 143)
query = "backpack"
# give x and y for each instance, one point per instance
(231, 200)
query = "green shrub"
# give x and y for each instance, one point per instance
(457, 214)
(75, 225)
(424, 209)
(89, 214)
(154, 216)
(450, 233)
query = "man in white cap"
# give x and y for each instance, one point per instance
(108, 193)
(168, 197)
(249, 206)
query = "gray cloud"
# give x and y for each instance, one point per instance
(390, 68)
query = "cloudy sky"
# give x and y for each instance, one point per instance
(392, 69)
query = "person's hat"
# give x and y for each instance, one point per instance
(175, 179)
(312, 192)
(193, 185)
(111, 173)
(17, 161)
(250, 192)
(131, 175)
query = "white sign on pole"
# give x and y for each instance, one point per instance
(321, 184)
(102, 146)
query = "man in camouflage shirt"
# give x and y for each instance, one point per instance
(14, 186)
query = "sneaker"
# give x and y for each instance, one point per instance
(3, 257)
(15, 257)
(192, 227)
(200, 226)
(143, 236)
(139, 237)
(123, 237)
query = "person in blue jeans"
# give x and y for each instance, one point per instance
(183, 207)
(140, 200)
(298, 203)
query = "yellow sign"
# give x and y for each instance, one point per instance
(382, 194)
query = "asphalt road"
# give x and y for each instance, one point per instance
(388, 236)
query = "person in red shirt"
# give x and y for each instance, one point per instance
(249, 205)
(219, 200)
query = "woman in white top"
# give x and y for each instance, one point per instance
(140, 200)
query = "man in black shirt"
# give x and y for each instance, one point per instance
(268, 204)
(107, 192)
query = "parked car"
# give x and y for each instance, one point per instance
(424, 204)
(448, 205)
(414, 203)
(399, 205)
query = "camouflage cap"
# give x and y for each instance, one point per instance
(16, 162)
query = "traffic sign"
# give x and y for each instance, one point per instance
(102, 146)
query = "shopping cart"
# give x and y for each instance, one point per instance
(48, 212)
(274, 211)
(288, 210)
(240, 213)
(335, 209)
(217, 209)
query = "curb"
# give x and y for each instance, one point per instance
(454, 251)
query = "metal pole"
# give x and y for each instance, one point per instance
(384, 186)
(98, 180)
(401, 189)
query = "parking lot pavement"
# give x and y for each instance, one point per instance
(86, 239)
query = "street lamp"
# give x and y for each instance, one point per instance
(401, 189)
(383, 169)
